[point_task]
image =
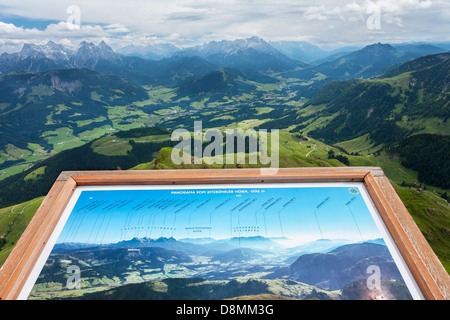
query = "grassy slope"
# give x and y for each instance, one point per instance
(433, 219)
(293, 150)
(13, 221)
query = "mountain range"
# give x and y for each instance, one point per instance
(252, 53)
(156, 51)
(334, 269)
(100, 58)
(301, 51)
(39, 58)
(369, 62)
(233, 248)
(197, 70)
(140, 260)
(244, 54)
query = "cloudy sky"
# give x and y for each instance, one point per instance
(187, 22)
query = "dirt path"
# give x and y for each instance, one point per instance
(314, 146)
(314, 149)
(23, 209)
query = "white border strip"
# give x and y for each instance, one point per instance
(398, 259)
(23, 295)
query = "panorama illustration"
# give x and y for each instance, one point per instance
(221, 243)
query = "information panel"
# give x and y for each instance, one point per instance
(211, 242)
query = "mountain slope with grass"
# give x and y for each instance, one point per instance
(369, 62)
(34, 106)
(429, 155)
(364, 116)
(388, 108)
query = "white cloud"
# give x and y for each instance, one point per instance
(12, 37)
(53, 31)
(9, 30)
(196, 21)
(355, 11)
(319, 13)
(117, 28)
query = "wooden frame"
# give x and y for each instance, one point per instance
(428, 272)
